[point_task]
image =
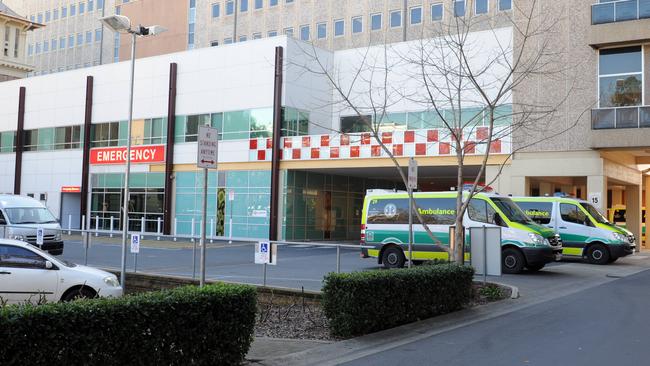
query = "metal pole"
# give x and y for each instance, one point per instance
(484, 254)
(97, 225)
(232, 208)
(135, 267)
(338, 259)
(410, 192)
(264, 277)
(112, 226)
(203, 225)
(125, 217)
(86, 237)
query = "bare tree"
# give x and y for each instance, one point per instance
(464, 73)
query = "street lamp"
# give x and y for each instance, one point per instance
(122, 24)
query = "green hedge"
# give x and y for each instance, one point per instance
(364, 302)
(185, 326)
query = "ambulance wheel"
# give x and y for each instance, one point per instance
(393, 257)
(512, 261)
(535, 268)
(598, 254)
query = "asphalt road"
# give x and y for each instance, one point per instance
(603, 325)
(297, 267)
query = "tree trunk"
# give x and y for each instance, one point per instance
(459, 247)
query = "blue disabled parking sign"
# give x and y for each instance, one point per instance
(264, 253)
(264, 247)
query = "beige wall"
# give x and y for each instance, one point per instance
(171, 14)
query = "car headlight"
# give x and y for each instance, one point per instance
(112, 281)
(18, 237)
(57, 236)
(537, 239)
(619, 237)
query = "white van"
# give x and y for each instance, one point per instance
(584, 231)
(21, 216)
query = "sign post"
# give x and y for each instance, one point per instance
(412, 184)
(265, 254)
(39, 236)
(207, 152)
(135, 249)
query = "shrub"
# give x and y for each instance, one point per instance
(364, 302)
(212, 325)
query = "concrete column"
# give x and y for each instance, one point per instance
(545, 189)
(597, 191)
(633, 211)
(646, 182)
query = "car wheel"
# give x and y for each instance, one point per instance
(535, 268)
(598, 254)
(512, 261)
(80, 293)
(612, 260)
(393, 257)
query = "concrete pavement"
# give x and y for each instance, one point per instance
(569, 294)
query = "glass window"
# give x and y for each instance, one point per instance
(481, 211)
(39, 18)
(571, 213)
(481, 7)
(288, 1)
(304, 32)
(46, 46)
(100, 4)
(62, 42)
(30, 50)
(273, 2)
(416, 15)
(357, 24)
(243, 38)
(321, 30)
(505, 4)
(339, 27)
(37, 48)
(47, 16)
(243, 6)
(288, 32)
(261, 122)
(91, 5)
(216, 9)
(540, 212)
(272, 33)
(73, 10)
(227, 40)
(259, 4)
(236, 125)
(17, 257)
(459, 8)
(230, 7)
(80, 39)
(98, 34)
(53, 44)
(55, 14)
(620, 77)
(7, 139)
(64, 11)
(375, 21)
(89, 37)
(70, 41)
(395, 18)
(352, 124)
(257, 35)
(82, 8)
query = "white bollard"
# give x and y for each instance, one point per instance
(142, 224)
(175, 227)
(192, 231)
(158, 229)
(230, 233)
(69, 224)
(211, 230)
(96, 226)
(112, 225)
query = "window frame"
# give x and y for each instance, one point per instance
(501, 9)
(358, 19)
(308, 28)
(411, 15)
(318, 29)
(390, 19)
(339, 21)
(381, 22)
(641, 73)
(487, 8)
(456, 13)
(216, 6)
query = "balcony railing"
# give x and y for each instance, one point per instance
(620, 117)
(619, 11)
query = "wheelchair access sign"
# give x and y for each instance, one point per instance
(265, 253)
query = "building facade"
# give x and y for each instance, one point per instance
(13, 34)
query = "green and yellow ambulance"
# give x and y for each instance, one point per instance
(616, 215)
(584, 231)
(384, 225)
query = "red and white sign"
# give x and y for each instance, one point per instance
(117, 155)
(70, 189)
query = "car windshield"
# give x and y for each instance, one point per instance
(511, 210)
(594, 213)
(29, 215)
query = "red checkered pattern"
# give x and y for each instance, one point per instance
(436, 142)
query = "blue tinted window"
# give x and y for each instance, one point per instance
(259, 4)
(436, 12)
(304, 33)
(620, 60)
(82, 8)
(273, 33)
(62, 42)
(64, 12)
(321, 30)
(273, 2)
(39, 18)
(98, 35)
(47, 16)
(73, 10)
(80, 39)
(100, 4)
(396, 18)
(230, 7)
(91, 5)
(506, 4)
(357, 25)
(216, 10)
(53, 44)
(416, 15)
(243, 5)
(459, 8)
(375, 21)
(70, 41)
(339, 27)
(89, 37)
(481, 6)
(55, 14)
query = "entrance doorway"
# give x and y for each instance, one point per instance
(70, 210)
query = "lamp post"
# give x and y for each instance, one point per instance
(122, 24)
